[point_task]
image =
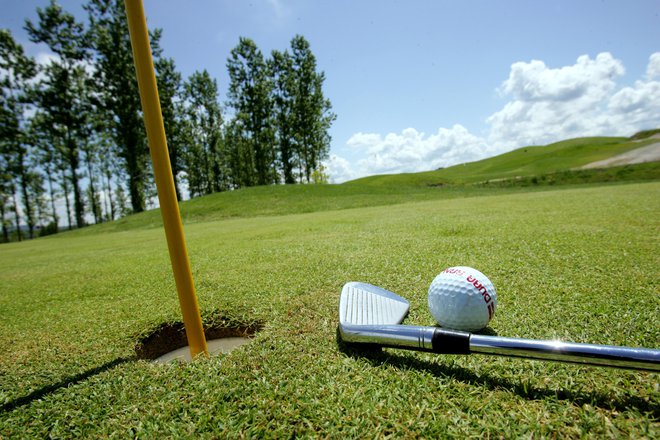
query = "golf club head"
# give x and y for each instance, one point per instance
(365, 304)
(372, 316)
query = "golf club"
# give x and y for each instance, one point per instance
(371, 315)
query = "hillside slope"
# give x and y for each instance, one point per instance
(523, 162)
(503, 172)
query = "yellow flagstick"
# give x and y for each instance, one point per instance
(153, 121)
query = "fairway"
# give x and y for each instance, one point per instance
(577, 263)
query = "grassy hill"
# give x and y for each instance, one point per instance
(523, 162)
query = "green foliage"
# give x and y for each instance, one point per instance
(312, 114)
(281, 115)
(50, 229)
(250, 88)
(64, 94)
(119, 96)
(171, 106)
(205, 157)
(16, 176)
(319, 175)
(281, 66)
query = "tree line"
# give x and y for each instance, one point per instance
(71, 129)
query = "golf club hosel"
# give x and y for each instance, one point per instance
(412, 337)
(399, 336)
(588, 354)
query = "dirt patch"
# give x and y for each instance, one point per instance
(171, 336)
(649, 153)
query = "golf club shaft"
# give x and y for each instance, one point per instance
(436, 340)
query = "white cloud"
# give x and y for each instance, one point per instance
(586, 79)
(653, 69)
(411, 150)
(546, 105)
(340, 170)
(550, 104)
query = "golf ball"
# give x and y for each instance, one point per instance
(462, 298)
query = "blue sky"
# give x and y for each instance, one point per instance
(417, 85)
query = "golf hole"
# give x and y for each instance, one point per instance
(168, 342)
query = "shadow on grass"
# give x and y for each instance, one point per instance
(73, 380)
(376, 356)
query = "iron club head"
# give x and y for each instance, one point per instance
(371, 316)
(365, 304)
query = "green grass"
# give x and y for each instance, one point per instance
(618, 174)
(645, 134)
(282, 200)
(523, 162)
(299, 199)
(527, 167)
(577, 264)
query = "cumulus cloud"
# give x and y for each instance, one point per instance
(550, 103)
(411, 150)
(545, 104)
(340, 170)
(586, 79)
(638, 106)
(653, 69)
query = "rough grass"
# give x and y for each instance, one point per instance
(623, 173)
(579, 264)
(523, 162)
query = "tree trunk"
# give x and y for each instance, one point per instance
(65, 188)
(5, 231)
(51, 191)
(27, 202)
(72, 157)
(17, 216)
(92, 190)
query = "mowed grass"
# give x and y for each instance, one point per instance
(578, 264)
(282, 200)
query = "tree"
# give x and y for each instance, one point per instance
(250, 87)
(281, 67)
(90, 148)
(16, 70)
(205, 160)
(169, 92)
(312, 112)
(240, 155)
(6, 192)
(46, 157)
(119, 97)
(63, 95)
(108, 168)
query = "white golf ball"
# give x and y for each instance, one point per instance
(462, 298)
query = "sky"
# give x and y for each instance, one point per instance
(420, 85)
